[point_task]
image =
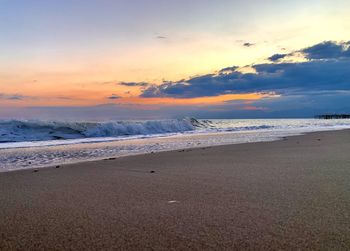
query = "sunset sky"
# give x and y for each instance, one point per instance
(100, 59)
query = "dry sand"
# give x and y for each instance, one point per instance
(289, 194)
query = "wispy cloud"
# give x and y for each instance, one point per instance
(161, 37)
(14, 96)
(113, 96)
(132, 84)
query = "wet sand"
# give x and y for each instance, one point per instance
(289, 194)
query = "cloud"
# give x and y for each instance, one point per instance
(228, 70)
(141, 84)
(328, 50)
(16, 97)
(161, 37)
(297, 105)
(325, 50)
(20, 97)
(327, 71)
(277, 57)
(247, 44)
(114, 96)
(13, 96)
(319, 84)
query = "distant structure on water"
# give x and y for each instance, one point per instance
(333, 116)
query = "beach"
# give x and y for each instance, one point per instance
(288, 194)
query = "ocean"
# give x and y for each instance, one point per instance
(33, 143)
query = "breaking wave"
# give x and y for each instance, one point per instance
(23, 130)
(36, 130)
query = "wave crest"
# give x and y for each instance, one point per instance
(22, 130)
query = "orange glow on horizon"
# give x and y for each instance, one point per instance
(199, 101)
(89, 98)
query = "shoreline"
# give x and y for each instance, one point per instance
(287, 194)
(279, 138)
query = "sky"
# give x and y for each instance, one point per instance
(138, 59)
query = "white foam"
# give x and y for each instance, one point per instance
(18, 155)
(27, 131)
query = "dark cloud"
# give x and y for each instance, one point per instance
(19, 97)
(12, 96)
(319, 85)
(327, 50)
(277, 57)
(228, 70)
(114, 96)
(16, 97)
(141, 84)
(326, 73)
(247, 44)
(281, 78)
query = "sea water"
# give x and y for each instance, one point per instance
(26, 144)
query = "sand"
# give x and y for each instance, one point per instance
(289, 194)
